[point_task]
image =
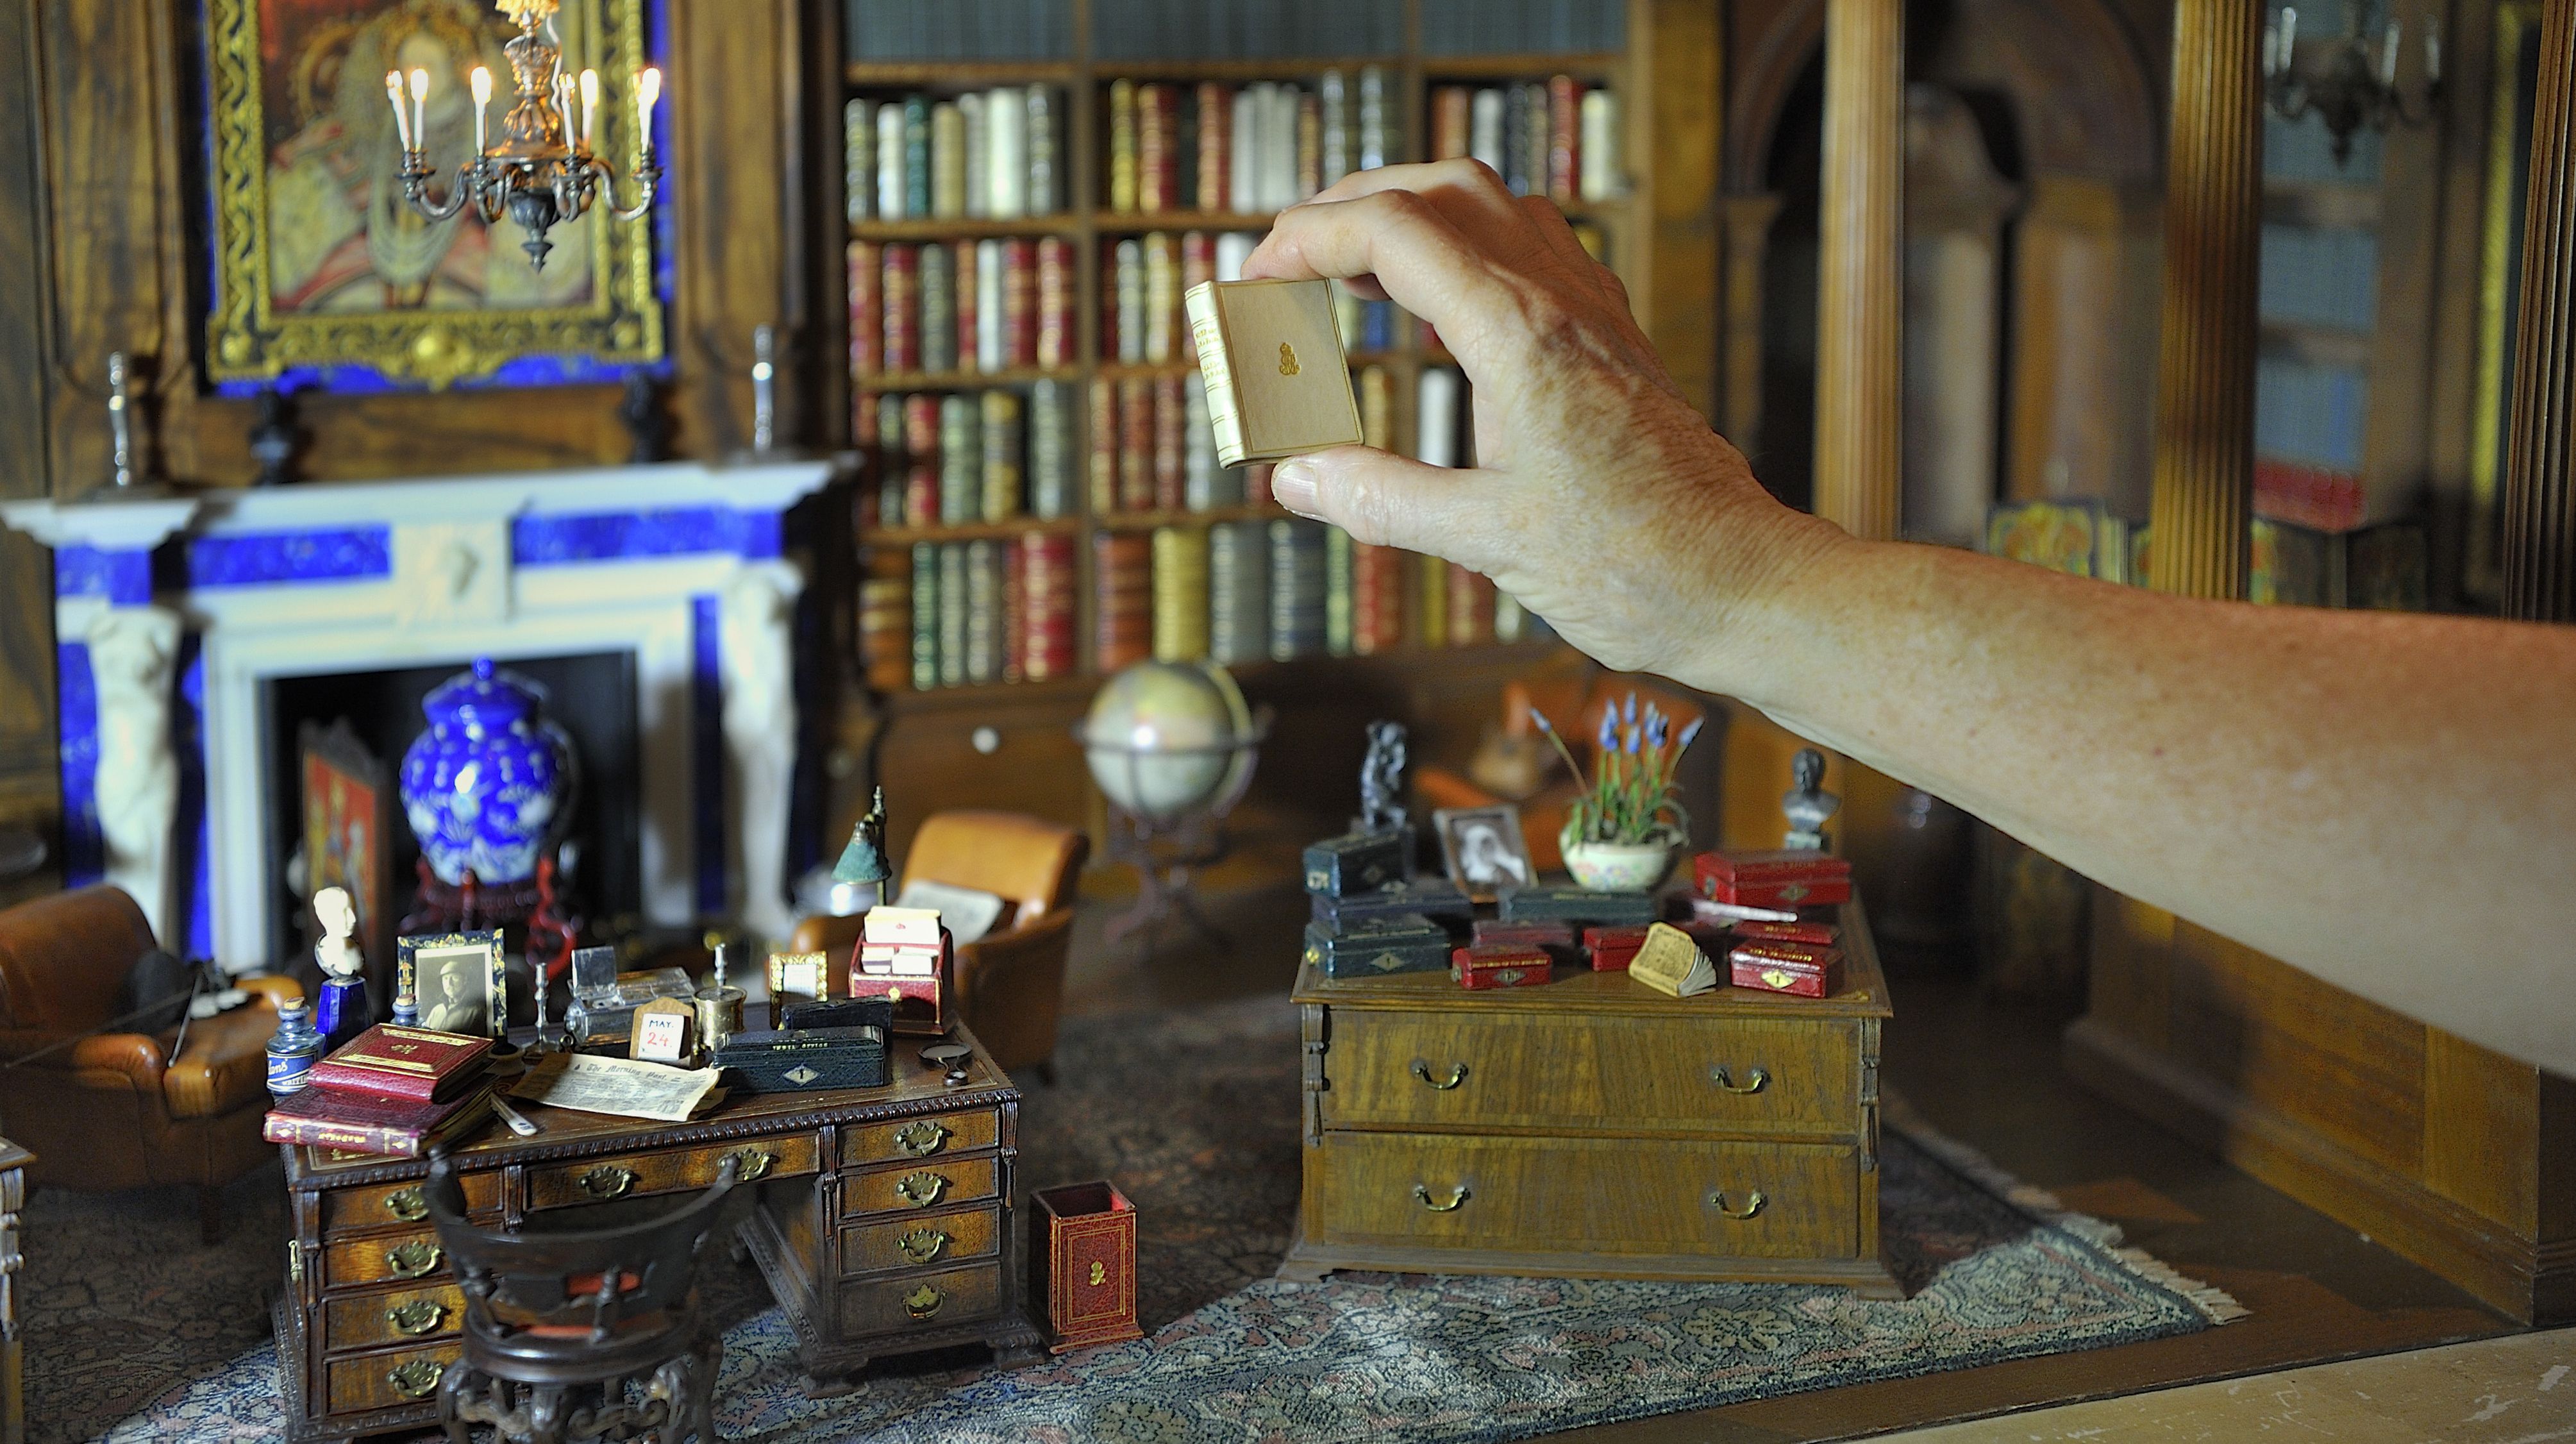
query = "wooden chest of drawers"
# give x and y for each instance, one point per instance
(884, 1224)
(1591, 1128)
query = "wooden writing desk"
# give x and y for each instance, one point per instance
(884, 1226)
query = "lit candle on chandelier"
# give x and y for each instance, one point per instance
(589, 105)
(419, 105)
(648, 89)
(402, 117)
(2388, 57)
(481, 80)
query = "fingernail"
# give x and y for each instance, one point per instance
(1292, 484)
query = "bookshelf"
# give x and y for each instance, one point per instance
(1418, 47)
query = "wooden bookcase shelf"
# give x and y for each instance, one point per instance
(950, 228)
(881, 381)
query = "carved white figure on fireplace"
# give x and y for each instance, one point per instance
(758, 606)
(133, 654)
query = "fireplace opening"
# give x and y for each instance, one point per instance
(592, 696)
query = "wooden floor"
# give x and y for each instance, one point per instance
(1986, 1073)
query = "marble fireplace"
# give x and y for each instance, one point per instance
(177, 616)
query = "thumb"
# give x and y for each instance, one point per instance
(1387, 500)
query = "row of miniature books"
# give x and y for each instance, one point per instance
(992, 154)
(1557, 138)
(391, 1090)
(1004, 610)
(1000, 454)
(1246, 149)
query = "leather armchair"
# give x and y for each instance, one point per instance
(1009, 983)
(117, 1110)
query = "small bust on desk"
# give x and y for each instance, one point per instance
(1807, 804)
(344, 1012)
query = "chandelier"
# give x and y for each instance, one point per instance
(2353, 85)
(541, 172)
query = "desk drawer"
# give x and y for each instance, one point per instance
(399, 1205)
(930, 1137)
(911, 1243)
(383, 1258)
(390, 1380)
(1567, 1074)
(635, 1175)
(1564, 1195)
(919, 1187)
(922, 1302)
(402, 1316)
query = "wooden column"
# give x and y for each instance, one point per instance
(2539, 506)
(1748, 241)
(1860, 286)
(2204, 479)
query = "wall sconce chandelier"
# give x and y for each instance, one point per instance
(2354, 85)
(541, 171)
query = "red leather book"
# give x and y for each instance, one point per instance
(1788, 879)
(1198, 259)
(1158, 120)
(1047, 602)
(1104, 447)
(1310, 144)
(1056, 332)
(1123, 619)
(968, 285)
(1377, 599)
(902, 294)
(1019, 303)
(1015, 614)
(388, 1061)
(885, 619)
(921, 475)
(1450, 105)
(1824, 934)
(1136, 443)
(1500, 966)
(867, 308)
(1171, 418)
(355, 1123)
(1801, 969)
(1471, 607)
(1564, 131)
(1612, 949)
(1216, 147)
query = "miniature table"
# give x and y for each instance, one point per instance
(884, 1225)
(1592, 1128)
(13, 1375)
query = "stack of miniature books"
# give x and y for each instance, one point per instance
(904, 957)
(392, 1090)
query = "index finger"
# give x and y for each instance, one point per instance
(1417, 256)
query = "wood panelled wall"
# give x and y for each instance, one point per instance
(102, 219)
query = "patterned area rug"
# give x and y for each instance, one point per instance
(1194, 1116)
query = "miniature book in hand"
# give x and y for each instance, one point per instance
(1271, 359)
(1672, 964)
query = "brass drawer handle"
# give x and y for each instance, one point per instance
(921, 1190)
(1457, 1075)
(608, 1180)
(411, 1260)
(924, 1245)
(1752, 1083)
(407, 1204)
(419, 1316)
(751, 1165)
(923, 1302)
(921, 1139)
(1457, 1197)
(1752, 1203)
(417, 1379)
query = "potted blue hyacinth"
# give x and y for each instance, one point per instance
(1622, 832)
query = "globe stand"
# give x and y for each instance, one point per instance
(1166, 848)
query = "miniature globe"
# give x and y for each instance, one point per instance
(1165, 738)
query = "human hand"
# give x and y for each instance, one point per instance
(1600, 499)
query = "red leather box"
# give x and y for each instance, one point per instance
(1082, 1265)
(1802, 969)
(1772, 879)
(1558, 937)
(1500, 966)
(1610, 949)
(1820, 934)
(921, 1006)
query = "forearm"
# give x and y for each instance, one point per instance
(2372, 797)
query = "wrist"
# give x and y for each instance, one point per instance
(1773, 620)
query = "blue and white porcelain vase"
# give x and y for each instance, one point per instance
(489, 784)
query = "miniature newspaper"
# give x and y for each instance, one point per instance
(622, 1086)
(1672, 964)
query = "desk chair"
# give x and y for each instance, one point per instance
(557, 1322)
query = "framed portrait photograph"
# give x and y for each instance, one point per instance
(323, 268)
(456, 982)
(1484, 850)
(348, 801)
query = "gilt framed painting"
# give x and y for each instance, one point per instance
(324, 270)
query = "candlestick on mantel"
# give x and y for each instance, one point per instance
(589, 107)
(419, 106)
(648, 89)
(402, 117)
(481, 81)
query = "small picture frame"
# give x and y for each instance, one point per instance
(801, 975)
(1483, 850)
(665, 1031)
(455, 982)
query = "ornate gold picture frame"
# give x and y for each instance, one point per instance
(319, 263)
